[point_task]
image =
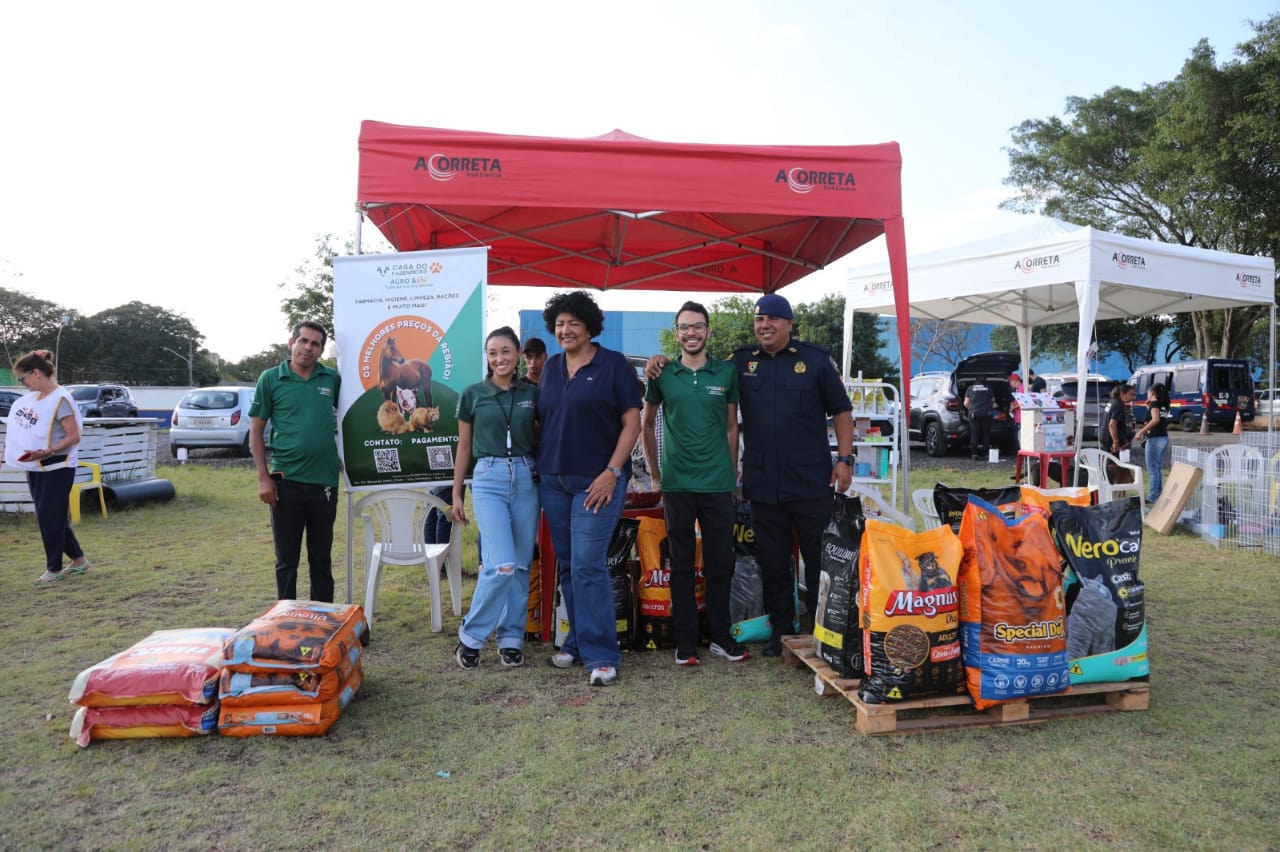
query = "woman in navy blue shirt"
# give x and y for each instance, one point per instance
(589, 407)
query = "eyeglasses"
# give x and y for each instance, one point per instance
(682, 327)
(22, 377)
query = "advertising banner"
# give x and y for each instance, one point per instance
(409, 329)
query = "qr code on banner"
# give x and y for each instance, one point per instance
(387, 460)
(440, 458)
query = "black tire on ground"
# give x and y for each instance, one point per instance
(244, 451)
(1188, 422)
(935, 442)
(173, 450)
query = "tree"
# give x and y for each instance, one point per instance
(135, 344)
(249, 368)
(948, 339)
(26, 323)
(1190, 161)
(731, 326)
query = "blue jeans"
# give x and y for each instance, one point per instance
(1156, 448)
(504, 500)
(581, 539)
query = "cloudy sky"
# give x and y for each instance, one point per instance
(188, 156)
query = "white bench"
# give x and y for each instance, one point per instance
(124, 448)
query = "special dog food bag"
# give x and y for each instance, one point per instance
(1106, 608)
(167, 667)
(1012, 607)
(911, 633)
(950, 502)
(836, 627)
(288, 720)
(297, 635)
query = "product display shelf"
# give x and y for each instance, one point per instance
(877, 459)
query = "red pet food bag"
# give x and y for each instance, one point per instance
(167, 667)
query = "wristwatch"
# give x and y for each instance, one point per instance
(616, 471)
(846, 459)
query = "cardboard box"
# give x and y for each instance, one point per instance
(1179, 485)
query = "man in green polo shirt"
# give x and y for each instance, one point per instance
(697, 476)
(301, 486)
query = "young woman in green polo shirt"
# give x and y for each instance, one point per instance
(497, 420)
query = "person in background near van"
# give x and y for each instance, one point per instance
(42, 438)
(1015, 410)
(535, 355)
(1156, 433)
(1114, 432)
(699, 471)
(299, 397)
(497, 422)
(1035, 384)
(979, 402)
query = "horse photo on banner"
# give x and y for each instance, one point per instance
(408, 329)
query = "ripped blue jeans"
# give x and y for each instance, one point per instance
(504, 501)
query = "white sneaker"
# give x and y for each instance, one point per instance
(603, 676)
(562, 659)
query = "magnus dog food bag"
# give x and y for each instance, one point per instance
(1012, 607)
(1106, 608)
(911, 632)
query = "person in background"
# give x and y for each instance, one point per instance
(1035, 383)
(1156, 433)
(1114, 433)
(299, 397)
(589, 408)
(980, 403)
(497, 422)
(1015, 410)
(697, 474)
(535, 356)
(788, 390)
(43, 439)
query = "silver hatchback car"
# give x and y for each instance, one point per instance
(213, 417)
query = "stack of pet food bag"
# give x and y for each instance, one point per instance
(289, 672)
(164, 686)
(292, 670)
(1019, 593)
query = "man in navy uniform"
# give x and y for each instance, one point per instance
(788, 390)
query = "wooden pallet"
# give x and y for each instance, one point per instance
(949, 712)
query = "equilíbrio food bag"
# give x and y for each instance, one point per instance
(911, 633)
(1106, 600)
(297, 635)
(836, 628)
(1012, 607)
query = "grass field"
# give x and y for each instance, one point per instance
(724, 756)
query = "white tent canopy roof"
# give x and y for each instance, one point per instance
(1028, 277)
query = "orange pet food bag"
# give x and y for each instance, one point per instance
(250, 689)
(288, 720)
(1013, 612)
(911, 635)
(1037, 500)
(294, 635)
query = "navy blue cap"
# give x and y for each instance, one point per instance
(775, 306)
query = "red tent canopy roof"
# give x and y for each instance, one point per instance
(621, 211)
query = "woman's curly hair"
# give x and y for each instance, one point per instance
(577, 303)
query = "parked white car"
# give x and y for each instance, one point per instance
(213, 417)
(1267, 402)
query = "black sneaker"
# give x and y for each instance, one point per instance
(511, 657)
(773, 648)
(731, 650)
(468, 658)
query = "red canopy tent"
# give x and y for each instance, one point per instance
(619, 211)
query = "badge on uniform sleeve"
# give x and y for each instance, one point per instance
(800, 367)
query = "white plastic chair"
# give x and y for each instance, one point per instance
(922, 499)
(875, 506)
(1095, 461)
(393, 535)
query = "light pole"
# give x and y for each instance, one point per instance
(57, 341)
(190, 359)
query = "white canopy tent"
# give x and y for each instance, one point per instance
(1055, 272)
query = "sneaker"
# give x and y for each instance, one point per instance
(48, 577)
(731, 651)
(562, 659)
(468, 658)
(686, 658)
(603, 676)
(511, 657)
(75, 569)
